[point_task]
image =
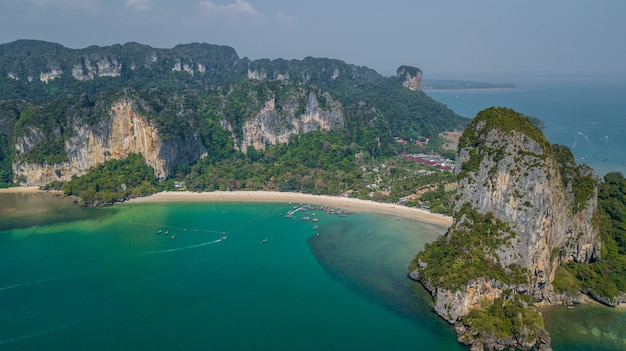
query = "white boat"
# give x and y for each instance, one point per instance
(223, 238)
(263, 241)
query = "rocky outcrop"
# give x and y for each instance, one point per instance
(124, 131)
(511, 179)
(52, 74)
(273, 126)
(411, 77)
(519, 182)
(95, 65)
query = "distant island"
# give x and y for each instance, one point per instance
(451, 84)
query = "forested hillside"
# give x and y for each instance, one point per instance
(54, 100)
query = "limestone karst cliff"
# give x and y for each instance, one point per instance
(517, 218)
(122, 131)
(60, 108)
(411, 77)
(274, 125)
(163, 128)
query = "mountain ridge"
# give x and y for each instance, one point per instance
(53, 95)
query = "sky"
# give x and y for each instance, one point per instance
(444, 38)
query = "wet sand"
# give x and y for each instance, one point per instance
(353, 205)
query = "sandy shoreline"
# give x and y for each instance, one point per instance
(20, 190)
(353, 205)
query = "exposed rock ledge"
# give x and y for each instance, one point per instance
(124, 131)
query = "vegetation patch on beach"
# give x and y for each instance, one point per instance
(112, 181)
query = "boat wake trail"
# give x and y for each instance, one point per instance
(46, 331)
(182, 248)
(586, 139)
(19, 285)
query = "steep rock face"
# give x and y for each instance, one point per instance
(95, 65)
(524, 189)
(411, 77)
(530, 221)
(271, 126)
(515, 177)
(124, 131)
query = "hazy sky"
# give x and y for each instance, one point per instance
(442, 37)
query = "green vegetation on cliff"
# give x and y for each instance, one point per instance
(605, 278)
(468, 253)
(511, 318)
(6, 170)
(505, 120)
(197, 87)
(579, 178)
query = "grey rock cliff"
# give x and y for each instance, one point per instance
(123, 131)
(275, 124)
(508, 170)
(522, 186)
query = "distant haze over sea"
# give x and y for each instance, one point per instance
(586, 114)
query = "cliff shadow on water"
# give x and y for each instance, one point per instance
(369, 256)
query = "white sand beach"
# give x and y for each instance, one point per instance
(353, 205)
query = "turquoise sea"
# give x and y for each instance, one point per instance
(105, 279)
(74, 278)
